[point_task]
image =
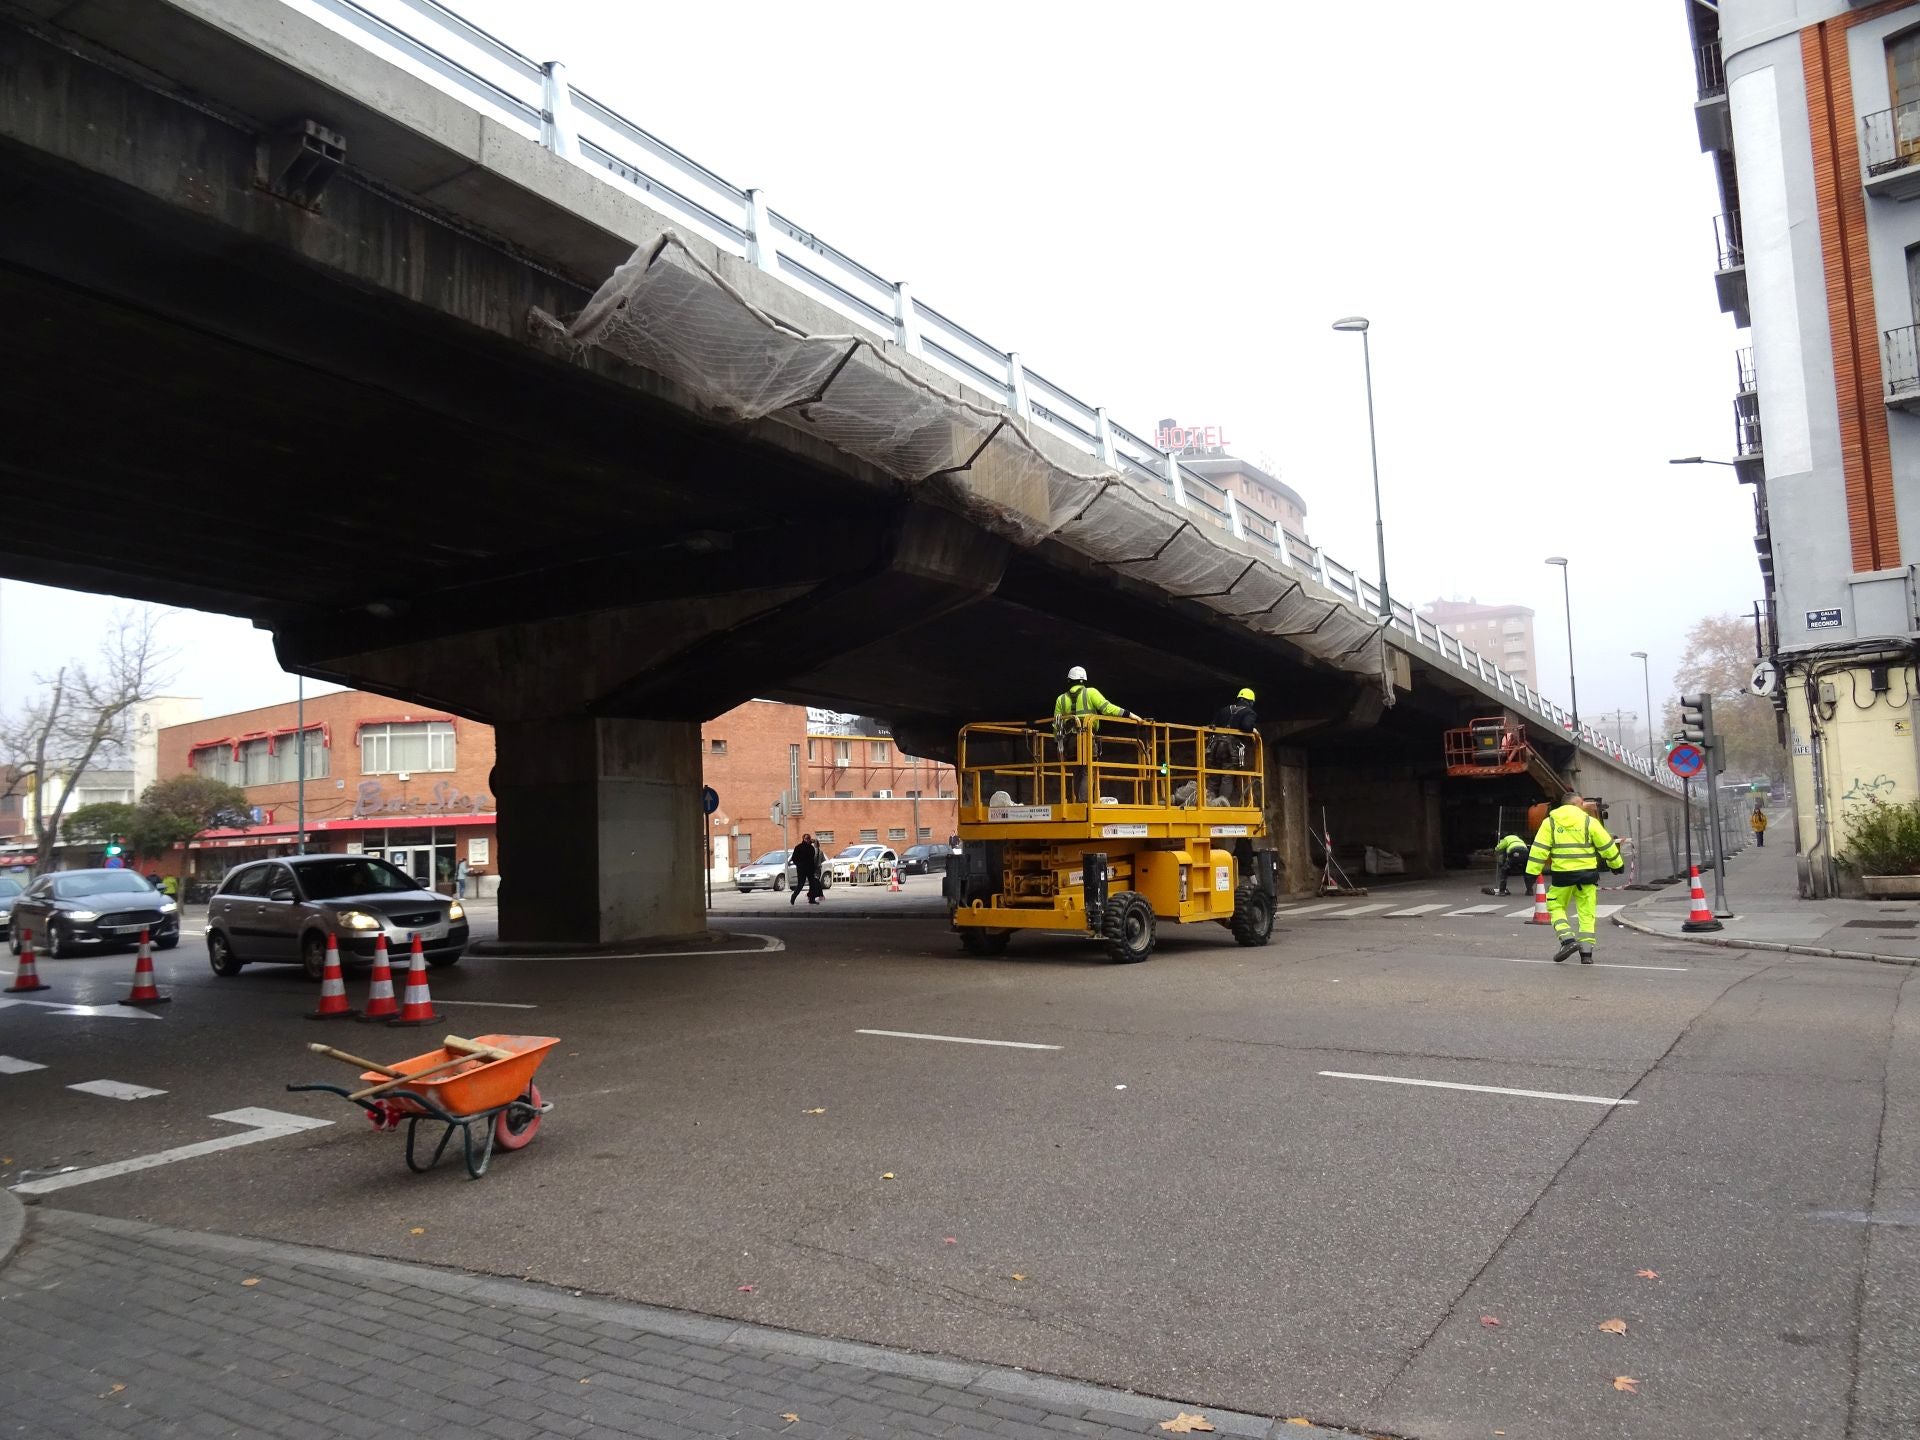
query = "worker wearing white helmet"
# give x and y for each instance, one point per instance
(1077, 708)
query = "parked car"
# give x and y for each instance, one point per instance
(925, 859)
(10, 891)
(72, 910)
(862, 865)
(774, 870)
(281, 912)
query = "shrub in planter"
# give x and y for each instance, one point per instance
(1882, 839)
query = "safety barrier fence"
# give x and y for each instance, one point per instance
(536, 99)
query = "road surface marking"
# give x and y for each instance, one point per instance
(1473, 910)
(84, 1012)
(261, 1125)
(1300, 912)
(958, 1039)
(11, 1066)
(114, 1089)
(1483, 1089)
(769, 944)
(1526, 914)
(1416, 910)
(489, 1004)
(1601, 912)
(1356, 910)
(1597, 965)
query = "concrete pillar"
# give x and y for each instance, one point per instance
(601, 829)
(1287, 819)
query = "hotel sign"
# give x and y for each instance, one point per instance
(1191, 437)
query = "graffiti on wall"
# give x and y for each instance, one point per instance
(1879, 788)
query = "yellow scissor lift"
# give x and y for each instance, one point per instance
(1109, 831)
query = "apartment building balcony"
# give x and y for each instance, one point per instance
(1710, 116)
(1890, 152)
(1900, 371)
(1730, 279)
(1749, 455)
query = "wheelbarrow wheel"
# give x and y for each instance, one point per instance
(517, 1126)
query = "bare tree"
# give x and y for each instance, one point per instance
(82, 715)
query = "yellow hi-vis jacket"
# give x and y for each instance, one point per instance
(1509, 842)
(1084, 704)
(1573, 846)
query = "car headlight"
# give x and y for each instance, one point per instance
(456, 911)
(83, 915)
(358, 920)
(167, 907)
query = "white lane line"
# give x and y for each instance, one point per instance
(261, 1125)
(1474, 910)
(1483, 1089)
(1356, 910)
(11, 1066)
(1302, 911)
(768, 945)
(1526, 913)
(1597, 965)
(958, 1039)
(115, 1089)
(1416, 910)
(489, 1004)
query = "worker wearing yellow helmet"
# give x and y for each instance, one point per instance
(1234, 751)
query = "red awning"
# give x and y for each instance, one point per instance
(271, 833)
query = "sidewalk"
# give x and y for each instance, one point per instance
(113, 1327)
(1768, 914)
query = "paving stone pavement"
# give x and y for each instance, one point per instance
(112, 1327)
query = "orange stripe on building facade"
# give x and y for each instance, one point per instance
(1866, 455)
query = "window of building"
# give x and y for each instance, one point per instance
(843, 794)
(216, 763)
(842, 752)
(716, 747)
(877, 751)
(913, 794)
(946, 794)
(743, 847)
(896, 832)
(823, 838)
(421, 745)
(869, 837)
(811, 755)
(926, 832)
(1903, 80)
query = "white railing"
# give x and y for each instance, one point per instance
(536, 99)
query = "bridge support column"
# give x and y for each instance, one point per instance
(601, 830)
(1288, 822)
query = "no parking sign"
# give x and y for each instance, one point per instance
(1686, 760)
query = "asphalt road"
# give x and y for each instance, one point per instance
(1175, 1199)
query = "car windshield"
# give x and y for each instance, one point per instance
(919, 850)
(853, 852)
(352, 875)
(98, 882)
(9, 888)
(772, 857)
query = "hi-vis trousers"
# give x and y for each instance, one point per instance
(1584, 898)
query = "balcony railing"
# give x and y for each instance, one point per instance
(1727, 243)
(1743, 365)
(1746, 427)
(1708, 73)
(1891, 138)
(1902, 348)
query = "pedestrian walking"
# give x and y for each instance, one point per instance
(460, 880)
(1759, 823)
(806, 871)
(1570, 848)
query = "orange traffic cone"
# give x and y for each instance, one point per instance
(1540, 915)
(1699, 917)
(144, 991)
(893, 881)
(26, 977)
(416, 1007)
(333, 988)
(380, 1002)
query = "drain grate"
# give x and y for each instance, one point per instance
(1881, 924)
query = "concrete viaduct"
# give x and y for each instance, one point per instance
(296, 334)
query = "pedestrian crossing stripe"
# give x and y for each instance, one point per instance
(1296, 912)
(1474, 910)
(1600, 912)
(1356, 910)
(1415, 910)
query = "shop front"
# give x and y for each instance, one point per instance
(430, 853)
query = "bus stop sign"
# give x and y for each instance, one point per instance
(1686, 760)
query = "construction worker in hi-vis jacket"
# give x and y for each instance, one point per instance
(1571, 847)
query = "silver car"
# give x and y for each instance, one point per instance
(775, 871)
(282, 911)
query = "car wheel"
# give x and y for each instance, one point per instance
(60, 946)
(441, 962)
(779, 883)
(313, 955)
(220, 956)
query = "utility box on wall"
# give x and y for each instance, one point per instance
(1882, 603)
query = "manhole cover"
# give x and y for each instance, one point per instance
(1881, 924)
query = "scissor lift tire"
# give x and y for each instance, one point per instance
(1127, 926)
(1252, 922)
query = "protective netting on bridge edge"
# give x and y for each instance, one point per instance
(667, 311)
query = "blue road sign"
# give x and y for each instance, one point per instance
(709, 799)
(1686, 760)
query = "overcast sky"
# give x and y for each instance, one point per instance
(1163, 208)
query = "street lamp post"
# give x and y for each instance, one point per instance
(1646, 675)
(1573, 690)
(1359, 324)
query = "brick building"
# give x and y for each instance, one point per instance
(852, 784)
(1502, 633)
(383, 778)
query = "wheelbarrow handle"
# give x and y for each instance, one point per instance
(317, 1048)
(386, 1085)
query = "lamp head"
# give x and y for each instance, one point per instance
(1638, 654)
(1351, 323)
(1687, 460)
(1559, 560)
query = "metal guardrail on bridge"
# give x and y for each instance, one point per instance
(433, 42)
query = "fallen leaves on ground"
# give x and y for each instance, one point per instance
(1648, 1274)
(1185, 1424)
(887, 1176)
(113, 1389)
(820, 1111)
(1018, 1276)
(791, 1418)
(254, 1281)
(1489, 1320)
(418, 1230)
(1298, 1420)
(1614, 1327)
(746, 1289)
(1626, 1383)
(586, 1379)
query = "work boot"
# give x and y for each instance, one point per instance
(1567, 947)
(1586, 955)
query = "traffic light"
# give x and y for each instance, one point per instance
(114, 847)
(1696, 718)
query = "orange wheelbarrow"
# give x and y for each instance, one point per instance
(486, 1082)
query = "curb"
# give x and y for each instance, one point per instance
(13, 1224)
(1825, 952)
